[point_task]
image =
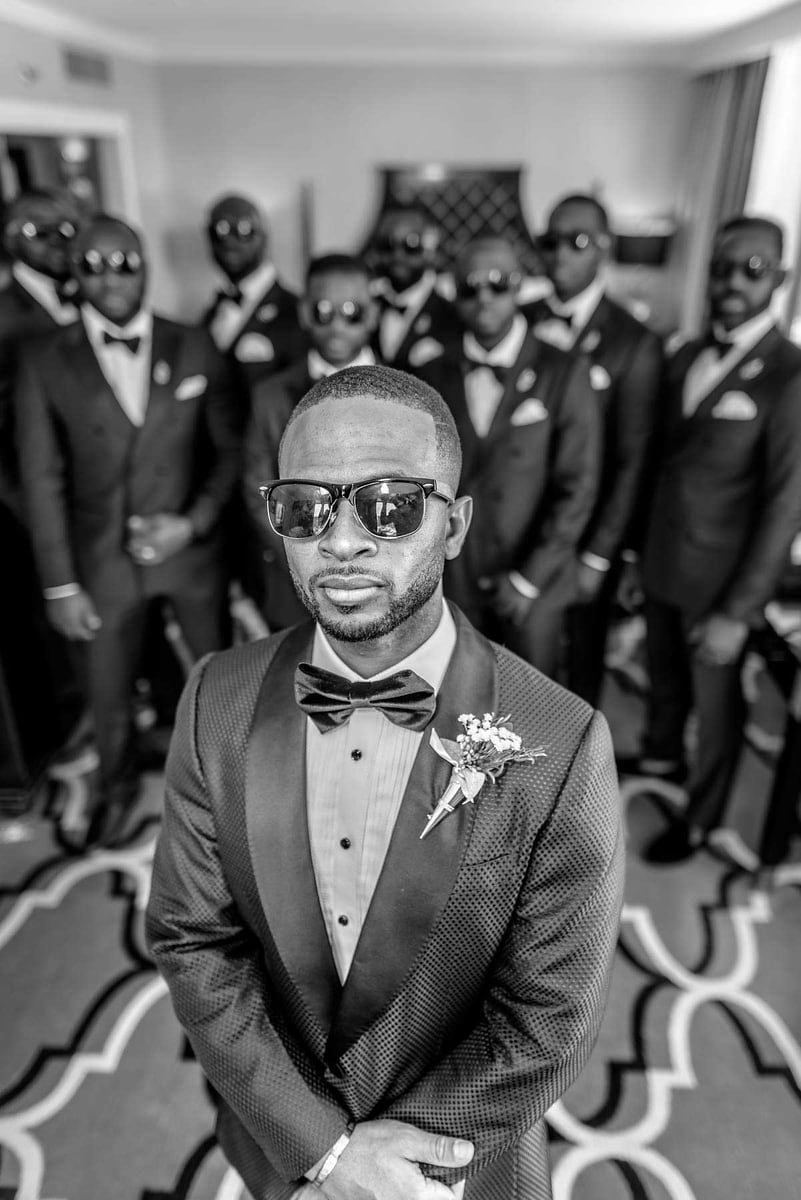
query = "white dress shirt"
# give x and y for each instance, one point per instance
(232, 316)
(710, 367)
(356, 775)
(579, 308)
(128, 374)
(43, 289)
(321, 368)
(395, 325)
(483, 390)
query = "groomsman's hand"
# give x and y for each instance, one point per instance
(152, 540)
(505, 600)
(719, 639)
(75, 617)
(381, 1161)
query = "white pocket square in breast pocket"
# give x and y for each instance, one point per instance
(426, 350)
(735, 406)
(254, 347)
(530, 412)
(193, 385)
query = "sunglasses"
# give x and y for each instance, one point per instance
(118, 262)
(243, 230)
(411, 243)
(500, 283)
(387, 508)
(65, 230)
(323, 312)
(574, 239)
(754, 268)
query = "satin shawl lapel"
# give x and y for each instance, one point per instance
(278, 832)
(528, 357)
(418, 876)
(732, 379)
(86, 390)
(165, 348)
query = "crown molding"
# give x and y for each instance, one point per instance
(45, 18)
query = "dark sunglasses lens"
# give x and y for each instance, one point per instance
(497, 283)
(322, 312)
(392, 508)
(575, 240)
(242, 230)
(411, 243)
(754, 268)
(299, 510)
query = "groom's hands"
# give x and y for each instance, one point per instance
(380, 1162)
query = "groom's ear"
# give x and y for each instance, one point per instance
(459, 517)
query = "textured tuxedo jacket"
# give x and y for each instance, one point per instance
(269, 340)
(727, 500)
(533, 478)
(625, 375)
(85, 468)
(479, 980)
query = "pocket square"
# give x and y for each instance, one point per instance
(530, 412)
(254, 347)
(424, 351)
(735, 406)
(193, 385)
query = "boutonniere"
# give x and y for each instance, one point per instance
(267, 313)
(482, 752)
(526, 379)
(423, 323)
(599, 378)
(752, 368)
(591, 342)
(161, 372)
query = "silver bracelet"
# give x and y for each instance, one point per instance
(332, 1160)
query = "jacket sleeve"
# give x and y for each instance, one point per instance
(211, 960)
(572, 478)
(43, 475)
(223, 422)
(546, 997)
(632, 430)
(755, 579)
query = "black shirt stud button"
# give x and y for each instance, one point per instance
(345, 843)
(355, 755)
(342, 920)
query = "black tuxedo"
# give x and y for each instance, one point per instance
(437, 321)
(86, 468)
(272, 402)
(626, 369)
(268, 341)
(533, 480)
(726, 506)
(477, 989)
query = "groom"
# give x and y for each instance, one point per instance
(382, 1015)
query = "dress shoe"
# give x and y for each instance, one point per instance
(675, 845)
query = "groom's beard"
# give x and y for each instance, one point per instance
(400, 608)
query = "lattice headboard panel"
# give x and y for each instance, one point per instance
(464, 202)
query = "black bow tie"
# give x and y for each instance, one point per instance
(65, 294)
(553, 315)
(405, 698)
(500, 372)
(713, 342)
(111, 339)
(233, 293)
(398, 306)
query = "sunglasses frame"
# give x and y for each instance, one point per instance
(42, 233)
(234, 231)
(357, 317)
(121, 266)
(346, 491)
(755, 274)
(503, 283)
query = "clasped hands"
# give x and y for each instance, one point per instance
(501, 595)
(381, 1162)
(152, 540)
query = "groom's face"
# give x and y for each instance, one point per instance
(359, 586)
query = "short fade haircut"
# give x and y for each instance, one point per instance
(337, 264)
(105, 220)
(583, 198)
(763, 224)
(392, 387)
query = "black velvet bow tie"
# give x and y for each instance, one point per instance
(398, 306)
(131, 343)
(404, 698)
(553, 315)
(501, 373)
(234, 294)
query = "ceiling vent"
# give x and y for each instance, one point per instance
(87, 68)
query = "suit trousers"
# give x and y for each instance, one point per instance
(587, 627)
(679, 683)
(112, 661)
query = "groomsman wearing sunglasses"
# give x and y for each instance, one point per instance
(382, 1013)
(530, 431)
(726, 506)
(625, 374)
(128, 455)
(253, 318)
(415, 321)
(339, 315)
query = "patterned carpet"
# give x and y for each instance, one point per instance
(693, 1091)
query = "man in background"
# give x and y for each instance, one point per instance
(625, 374)
(128, 455)
(339, 314)
(726, 506)
(530, 432)
(416, 321)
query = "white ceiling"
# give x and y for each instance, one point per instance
(388, 30)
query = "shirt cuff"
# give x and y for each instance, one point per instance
(629, 556)
(523, 585)
(324, 1166)
(62, 592)
(595, 561)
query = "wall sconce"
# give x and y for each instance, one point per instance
(645, 242)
